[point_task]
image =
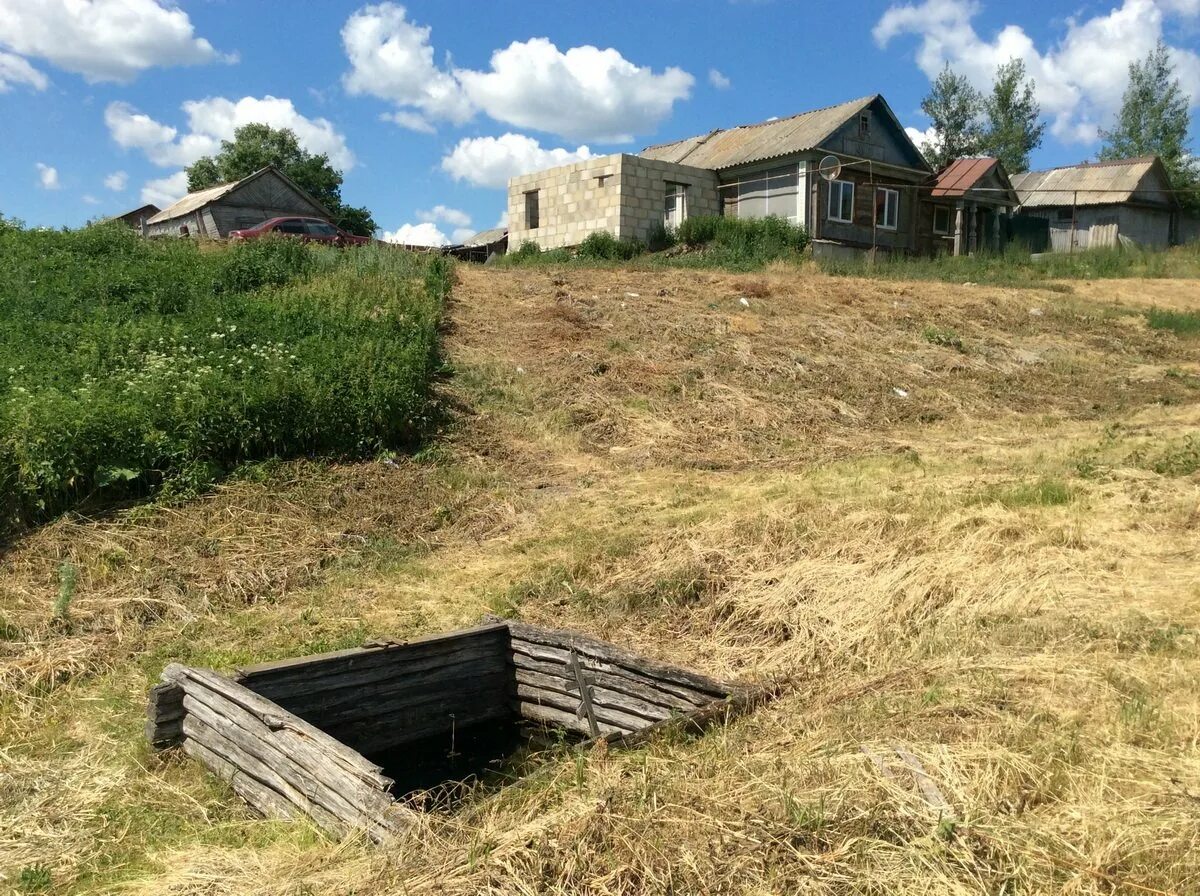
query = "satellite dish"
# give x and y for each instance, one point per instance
(830, 167)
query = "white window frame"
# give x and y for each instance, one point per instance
(949, 219)
(833, 213)
(675, 217)
(890, 197)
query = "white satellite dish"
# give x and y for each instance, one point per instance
(830, 167)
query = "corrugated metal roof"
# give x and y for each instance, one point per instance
(486, 237)
(961, 175)
(193, 201)
(756, 142)
(1092, 183)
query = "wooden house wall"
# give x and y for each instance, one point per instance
(861, 233)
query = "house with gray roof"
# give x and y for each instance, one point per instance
(866, 198)
(1097, 204)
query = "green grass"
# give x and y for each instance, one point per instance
(1015, 267)
(1181, 323)
(1043, 493)
(130, 366)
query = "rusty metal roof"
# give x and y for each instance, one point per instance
(961, 175)
(197, 200)
(757, 142)
(1094, 183)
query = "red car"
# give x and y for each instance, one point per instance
(312, 230)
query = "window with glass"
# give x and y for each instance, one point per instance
(290, 227)
(887, 208)
(320, 228)
(775, 192)
(841, 201)
(532, 210)
(941, 219)
(675, 204)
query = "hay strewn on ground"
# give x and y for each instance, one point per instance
(994, 571)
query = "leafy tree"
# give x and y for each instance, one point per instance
(1013, 129)
(955, 108)
(1154, 120)
(255, 146)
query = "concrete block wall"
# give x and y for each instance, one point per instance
(621, 194)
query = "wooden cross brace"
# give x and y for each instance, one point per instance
(583, 684)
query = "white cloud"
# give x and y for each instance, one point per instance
(391, 58)
(215, 119)
(583, 93)
(718, 80)
(15, 70)
(117, 181)
(451, 216)
(89, 199)
(48, 176)
(164, 190)
(103, 40)
(413, 121)
(921, 137)
(491, 161)
(1080, 80)
(503, 221)
(424, 234)
(462, 234)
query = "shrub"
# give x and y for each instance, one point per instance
(660, 237)
(527, 250)
(128, 366)
(603, 246)
(741, 243)
(1181, 323)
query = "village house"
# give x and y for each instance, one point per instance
(137, 218)
(967, 209)
(865, 196)
(267, 193)
(1098, 204)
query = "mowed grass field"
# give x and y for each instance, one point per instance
(961, 521)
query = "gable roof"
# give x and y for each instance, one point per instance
(964, 175)
(148, 209)
(199, 199)
(486, 237)
(766, 140)
(1094, 183)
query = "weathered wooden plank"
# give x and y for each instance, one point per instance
(631, 684)
(164, 712)
(164, 735)
(429, 645)
(626, 721)
(697, 721)
(548, 653)
(549, 715)
(276, 718)
(259, 796)
(601, 697)
(372, 736)
(328, 678)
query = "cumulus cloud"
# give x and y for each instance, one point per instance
(491, 161)
(15, 70)
(211, 120)
(1080, 80)
(163, 191)
(452, 216)
(718, 80)
(582, 93)
(117, 181)
(103, 40)
(89, 199)
(392, 58)
(47, 176)
(423, 234)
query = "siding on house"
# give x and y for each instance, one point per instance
(216, 211)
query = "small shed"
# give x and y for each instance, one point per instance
(1100, 204)
(267, 193)
(137, 218)
(967, 207)
(482, 245)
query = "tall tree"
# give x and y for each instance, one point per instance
(1154, 120)
(955, 108)
(1013, 129)
(255, 146)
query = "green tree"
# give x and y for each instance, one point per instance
(956, 109)
(1154, 120)
(255, 146)
(1013, 129)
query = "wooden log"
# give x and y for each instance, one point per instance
(164, 713)
(617, 656)
(267, 802)
(549, 715)
(562, 655)
(164, 735)
(697, 721)
(570, 702)
(377, 735)
(601, 697)
(361, 657)
(634, 686)
(334, 678)
(276, 718)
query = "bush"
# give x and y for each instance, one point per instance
(743, 244)
(528, 249)
(129, 365)
(602, 245)
(660, 237)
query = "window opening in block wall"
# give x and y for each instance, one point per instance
(532, 210)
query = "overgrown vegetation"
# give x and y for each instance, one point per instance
(128, 366)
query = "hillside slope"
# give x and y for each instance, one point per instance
(955, 520)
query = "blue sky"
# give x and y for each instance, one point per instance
(429, 106)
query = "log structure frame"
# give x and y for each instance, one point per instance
(291, 737)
